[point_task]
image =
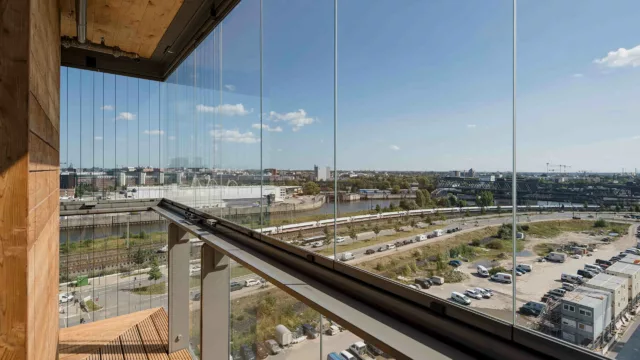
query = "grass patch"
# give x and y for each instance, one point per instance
(92, 306)
(543, 249)
(154, 289)
(550, 229)
(112, 243)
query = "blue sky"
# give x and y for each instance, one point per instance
(422, 85)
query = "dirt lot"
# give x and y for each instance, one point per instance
(544, 277)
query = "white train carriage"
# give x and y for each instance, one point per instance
(299, 226)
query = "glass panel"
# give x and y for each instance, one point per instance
(297, 124)
(576, 99)
(425, 129)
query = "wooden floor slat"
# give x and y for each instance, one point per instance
(139, 336)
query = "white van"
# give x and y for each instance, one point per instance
(502, 277)
(460, 298)
(570, 278)
(421, 237)
(347, 355)
(482, 271)
(594, 268)
(438, 232)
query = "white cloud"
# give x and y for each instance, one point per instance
(98, 138)
(230, 87)
(224, 109)
(637, 137)
(577, 75)
(107, 107)
(297, 119)
(154, 132)
(394, 147)
(171, 137)
(621, 58)
(267, 127)
(126, 116)
(471, 126)
(234, 136)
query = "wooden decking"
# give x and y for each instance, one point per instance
(142, 335)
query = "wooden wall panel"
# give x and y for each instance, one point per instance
(29, 172)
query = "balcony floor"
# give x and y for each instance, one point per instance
(141, 335)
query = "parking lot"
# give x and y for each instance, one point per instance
(533, 285)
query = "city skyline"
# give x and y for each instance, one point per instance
(431, 113)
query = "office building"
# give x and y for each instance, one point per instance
(618, 289)
(586, 314)
(632, 273)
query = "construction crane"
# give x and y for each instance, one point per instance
(562, 168)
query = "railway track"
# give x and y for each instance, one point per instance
(112, 259)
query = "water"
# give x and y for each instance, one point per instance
(350, 206)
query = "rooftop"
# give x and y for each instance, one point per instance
(624, 268)
(591, 298)
(607, 281)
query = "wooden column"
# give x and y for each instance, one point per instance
(29, 178)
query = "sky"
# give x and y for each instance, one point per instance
(421, 85)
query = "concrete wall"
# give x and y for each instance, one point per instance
(29, 178)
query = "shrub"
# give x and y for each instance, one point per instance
(379, 266)
(475, 242)
(406, 271)
(497, 269)
(600, 223)
(495, 244)
(416, 253)
(525, 227)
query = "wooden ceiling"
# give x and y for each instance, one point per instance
(132, 25)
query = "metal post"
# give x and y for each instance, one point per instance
(179, 251)
(214, 305)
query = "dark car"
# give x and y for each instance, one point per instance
(247, 352)
(310, 331)
(235, 286)
(586, 273)
(399, 243)
(369, 252)
(423, 283)
(407, 242)
(382, 248)
(455, 263)
(603, 263)
(449, 231)
(548, 297)
(430, 236)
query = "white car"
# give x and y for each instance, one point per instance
(485, 294)
(460, 298)
(251, 282)
(65, 298)
(390, 246)
(317, 244)
(473, 294)
(414, 286)
(340, 239)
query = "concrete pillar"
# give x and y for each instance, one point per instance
(214, 306)
(179, 251)
(29, 178)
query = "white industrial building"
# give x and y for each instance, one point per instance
(631, 259)
(632, 273)
(586, 314)
(617, 286)
(211, 196)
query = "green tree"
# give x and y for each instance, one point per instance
(154, 273)
(142, 235)
(352, 234)
(310, 188)
(139, 256)
(585, 205)
(376, 230)
(600, 223)
(427, 196)
(485, 198)
(499, 209)
(636, 208)
(378, 209)
(420, 199)
(395, 189)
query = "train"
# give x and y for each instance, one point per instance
(396, 214)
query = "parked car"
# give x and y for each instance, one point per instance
(332, 330)
(369, 252)
(235, 286)
(436, 280)
(340, 239)
(502, 277)
(482, 271)
(602, 262)
(485, 294)
(574, 279)
(247, 352)
(524, 267)
(558, 292)
(532, 308)
(390, 246)
(374, 350)
(423, 283)
(399, 243)
(547, 297)
(569, 286)
(407, 242)
(382, 248)
(455, 263)
(272, 346)
(251, 282)
(472, 293)
(310, 331)
(414, 286)
(586, 273)
(317, 244)
(65, 298)
(460, 298)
